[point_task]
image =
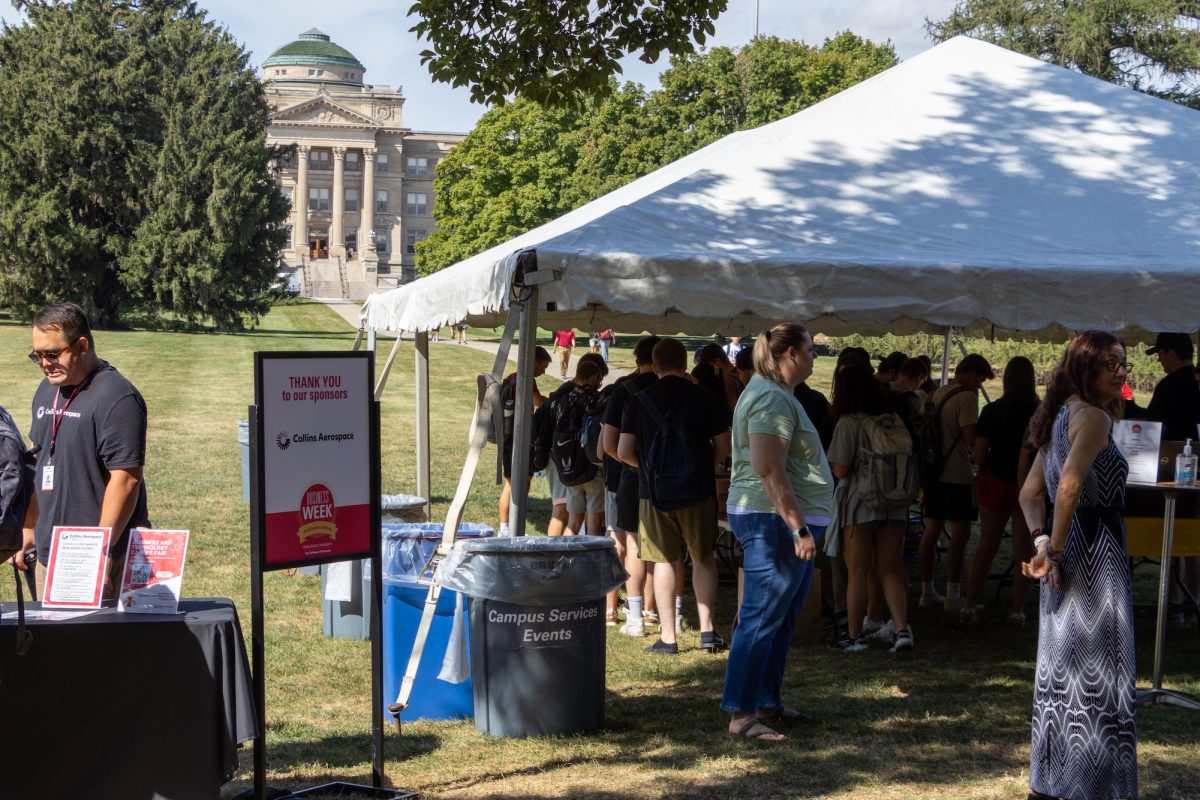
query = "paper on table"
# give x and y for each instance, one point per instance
(1138, 440)
(49, 615)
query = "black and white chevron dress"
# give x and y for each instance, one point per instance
(1084, 732)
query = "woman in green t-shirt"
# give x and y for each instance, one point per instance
(780, 500)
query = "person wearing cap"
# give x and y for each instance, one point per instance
(1176, 404)
(889, 368)
(1176, 399)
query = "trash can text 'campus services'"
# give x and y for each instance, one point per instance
(406, 548)
(537, 630)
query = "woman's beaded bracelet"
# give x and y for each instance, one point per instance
(1039, 540)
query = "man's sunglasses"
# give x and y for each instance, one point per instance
(37, 356)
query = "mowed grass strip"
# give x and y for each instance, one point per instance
(952, 721)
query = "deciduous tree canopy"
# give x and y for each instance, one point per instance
(552, 51)
(134, 174)
(523, 164)
(1149, 45)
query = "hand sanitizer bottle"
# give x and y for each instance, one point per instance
(1185, 466)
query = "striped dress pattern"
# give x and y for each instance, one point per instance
(1084, 729)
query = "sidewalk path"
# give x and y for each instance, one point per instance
(350, 312)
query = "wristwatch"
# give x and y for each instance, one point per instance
(801, 533)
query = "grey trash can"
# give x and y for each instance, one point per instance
(537, 630)
(348, 619)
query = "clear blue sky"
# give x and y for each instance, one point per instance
(376, 31)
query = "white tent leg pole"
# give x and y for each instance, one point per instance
(946, 356)
(357, 341)
(422, 404)
(523, 422)
(371, 340)
(387, 369)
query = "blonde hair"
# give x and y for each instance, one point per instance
(771, 344)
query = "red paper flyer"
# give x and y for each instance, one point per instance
(77, 566)
(153, 578)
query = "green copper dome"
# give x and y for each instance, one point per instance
(313, 47)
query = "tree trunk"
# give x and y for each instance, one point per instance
(106, 300)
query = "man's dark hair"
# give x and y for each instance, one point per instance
(68, 318)
(670, 355)
(586, 370)
(597, 359)
(975, 364)
(643, 351)
(914, 368)
(744, 359)
(541, 355)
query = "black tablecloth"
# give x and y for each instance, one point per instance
(128, 706)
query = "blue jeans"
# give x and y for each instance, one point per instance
(776, 586)
(604, 345)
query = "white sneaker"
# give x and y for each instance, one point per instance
(678, 621)
(871, 626)
(633, 628)
(904, 640)
(886, 633)
(931, 600)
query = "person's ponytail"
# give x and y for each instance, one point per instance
(771, 344)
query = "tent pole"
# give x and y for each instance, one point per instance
(387, 369)
(422, 405)
(946, 355)
(523, 422)
(371, 340)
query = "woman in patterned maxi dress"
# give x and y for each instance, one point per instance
(1084, 735)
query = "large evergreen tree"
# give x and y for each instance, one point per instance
(134, 173)
(1149, 45)
(523, 164)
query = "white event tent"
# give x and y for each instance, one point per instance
(969, 187)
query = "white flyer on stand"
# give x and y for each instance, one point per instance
(153, 577)
(1138, 440)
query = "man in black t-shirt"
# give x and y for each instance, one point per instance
(621, 483)
(663, 533)
(89, 425)
(1176, 404)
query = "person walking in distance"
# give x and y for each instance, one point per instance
(564, 343)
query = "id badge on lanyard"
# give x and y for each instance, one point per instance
(48, 478)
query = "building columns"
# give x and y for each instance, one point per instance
(300, 203)
(337, 240)
(366, 217)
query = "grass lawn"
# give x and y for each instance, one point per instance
(951, 721)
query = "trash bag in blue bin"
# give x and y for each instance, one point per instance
(406, 548)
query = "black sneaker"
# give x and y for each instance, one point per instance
(661, 648)
(712, 641)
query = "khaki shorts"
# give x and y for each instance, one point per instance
(558, 492)
(662, 535)
(587, 498)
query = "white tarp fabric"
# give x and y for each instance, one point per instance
(969, 186)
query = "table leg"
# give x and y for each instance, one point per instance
(1164, 585)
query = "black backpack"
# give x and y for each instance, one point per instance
(572, 422)
(932, 453)
(508, 402)
(16, 486)
(541, 437)
(592, 422)
(672, 462)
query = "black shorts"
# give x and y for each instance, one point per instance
(627, 505)
(507, 458)
(953, 502)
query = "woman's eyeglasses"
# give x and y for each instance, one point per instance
(1112, 365)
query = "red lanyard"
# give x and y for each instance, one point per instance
(56, 416)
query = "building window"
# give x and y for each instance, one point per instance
(352, 162)
(318, 159)
(417, 166)
(418, 203)
(412, 237)
(381, 200)
(381, 162)
(318, 199)
(313, 73)
(381, 242)
(285, 159)
(352, 199)
(286, 191)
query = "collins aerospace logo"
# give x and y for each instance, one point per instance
(285, 440)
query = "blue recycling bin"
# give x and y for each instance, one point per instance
(406, 548)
